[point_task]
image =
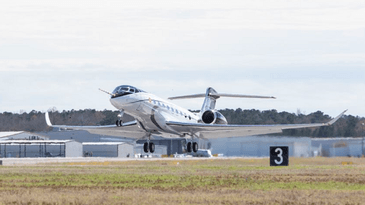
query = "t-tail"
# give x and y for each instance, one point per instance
(208, 113)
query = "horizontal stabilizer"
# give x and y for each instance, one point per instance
(218, 95)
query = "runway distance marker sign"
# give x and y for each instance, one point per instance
(279, 155)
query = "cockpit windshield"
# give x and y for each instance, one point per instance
(125, 90)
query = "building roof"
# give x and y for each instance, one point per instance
(35, 141)
(103, 143)
(8, 134)
(20, 135)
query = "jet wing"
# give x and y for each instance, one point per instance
(128, 129)
(213, 131)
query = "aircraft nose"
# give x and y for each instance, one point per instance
(113, 101)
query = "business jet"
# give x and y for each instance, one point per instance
(156, 116)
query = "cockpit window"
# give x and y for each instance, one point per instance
(125, 90)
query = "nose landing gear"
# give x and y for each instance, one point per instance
(119, 122)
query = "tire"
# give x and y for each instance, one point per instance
(117, 123)
(120, 123)
(195, 146)
(152, 147)
(145, 147)
(188, 147)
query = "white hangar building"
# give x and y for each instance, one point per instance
(25, 144)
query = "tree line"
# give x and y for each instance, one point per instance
(34, 121)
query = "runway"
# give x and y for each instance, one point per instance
(99, 160)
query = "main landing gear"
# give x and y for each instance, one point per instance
(192, 146)
(149, 147)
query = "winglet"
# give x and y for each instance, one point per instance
(336, 118)
(48, 121)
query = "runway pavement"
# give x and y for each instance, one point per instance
(89, 160)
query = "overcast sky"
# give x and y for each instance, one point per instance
(308, 54)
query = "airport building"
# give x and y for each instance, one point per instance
(40, 148)
(332, 147)
(258, 146)
(25, 144)
(108, 149)
(61, 144)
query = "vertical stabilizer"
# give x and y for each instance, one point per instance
(210, 99)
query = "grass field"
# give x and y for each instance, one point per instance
(210, 181)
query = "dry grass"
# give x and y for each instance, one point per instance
(231, 181)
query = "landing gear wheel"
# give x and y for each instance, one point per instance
(152, 147)
(195, 146)
(119, 123)
(145, 147)
(188, 147)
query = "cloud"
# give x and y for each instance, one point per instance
(308, 54)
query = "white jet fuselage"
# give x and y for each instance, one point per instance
(152, 112)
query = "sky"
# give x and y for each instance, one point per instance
(309, 54)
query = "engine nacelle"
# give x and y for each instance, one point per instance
(213, 117)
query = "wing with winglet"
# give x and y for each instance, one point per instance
(212, 131)
(128, 129)
(208, 131)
